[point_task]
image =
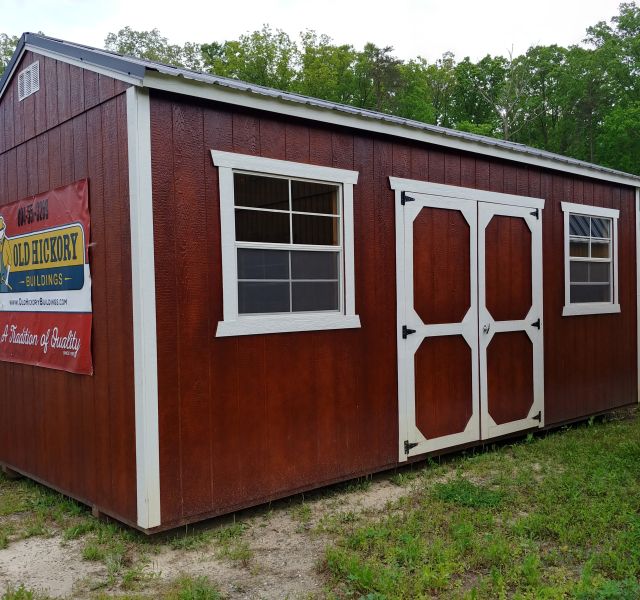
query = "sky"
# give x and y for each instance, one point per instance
(426, 28)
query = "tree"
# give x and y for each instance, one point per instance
(414, 99)
(619, 139)
(377, 78)
(151, 45)
(8, 45)
(326, 70)
(441, 86)
(264, 57)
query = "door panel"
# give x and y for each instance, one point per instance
(510, 318)
(441, 265)
(508, 268)
(444, 386)
(509, 377)
(437, 278)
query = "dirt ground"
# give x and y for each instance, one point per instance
(284, 547)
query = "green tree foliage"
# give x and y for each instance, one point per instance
(263, 57)
(325, 70)
(580, 101)
(8, 44)
(150, 45)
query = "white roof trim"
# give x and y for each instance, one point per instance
(82, 64)
(251, 99)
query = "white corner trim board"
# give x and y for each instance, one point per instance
(462, 193)
(144, 309)
(638, 284)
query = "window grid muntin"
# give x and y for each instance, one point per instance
(292, 247)
(590, 259)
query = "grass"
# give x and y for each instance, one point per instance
(188, 588)
(552, 517)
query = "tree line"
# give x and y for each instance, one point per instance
(581, 101)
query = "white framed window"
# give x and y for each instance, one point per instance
(590, 260)
(287, 246)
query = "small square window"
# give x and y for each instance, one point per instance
(591, 284)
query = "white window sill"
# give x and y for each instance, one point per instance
(590, 309)
(286, 323)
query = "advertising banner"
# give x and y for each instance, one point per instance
(45, 282)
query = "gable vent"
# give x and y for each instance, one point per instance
(29, 81)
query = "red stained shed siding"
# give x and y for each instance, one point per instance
(76, 433)
(247, 419)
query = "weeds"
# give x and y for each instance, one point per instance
(553, 516)
(188, 588)
(191, 540)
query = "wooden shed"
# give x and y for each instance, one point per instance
(214, 294)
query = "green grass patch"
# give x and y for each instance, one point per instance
(465, 493)
(190, 588)
(551, 517)
(22, 593)
(230, 544)
(191, 540)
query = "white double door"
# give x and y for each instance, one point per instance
(470, 346)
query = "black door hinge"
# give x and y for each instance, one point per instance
(538, 417)
(535, 213)
(536, 323)
(408, 445)
(406, 332)
(404, 198)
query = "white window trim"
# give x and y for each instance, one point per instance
(235, 324)
(590, 308)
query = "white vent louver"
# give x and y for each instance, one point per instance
(29, 81)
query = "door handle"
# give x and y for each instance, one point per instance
(486, 327)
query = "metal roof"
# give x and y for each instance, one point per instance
(135, 71)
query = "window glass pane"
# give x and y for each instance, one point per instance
(579, 272)
(599, 249)
(259, 226)
(590, 293)
(261, 192)
(308, 296)
(599, 272)
(578, 248)
(309, 229)
(263, 297)
(600, 227)
(579, 225)
(263, 264)
(314, 265)
(314, 197)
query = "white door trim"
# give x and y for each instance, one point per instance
(143, 291)
(452, 197)
(452, 191)
(489, 428)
